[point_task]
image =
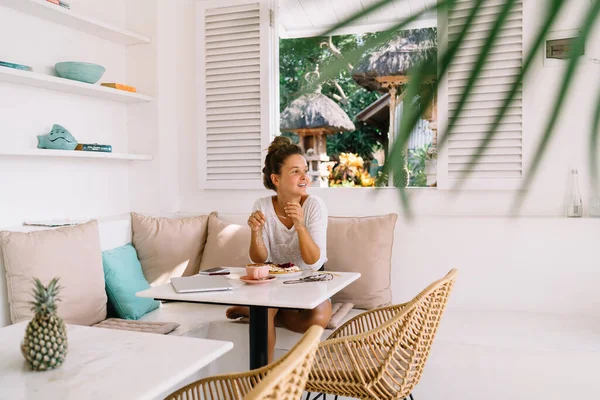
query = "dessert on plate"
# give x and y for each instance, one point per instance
(286, 268)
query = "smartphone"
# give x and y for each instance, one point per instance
(215, 271)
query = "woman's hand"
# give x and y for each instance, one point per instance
(256, 221)
(295, 212)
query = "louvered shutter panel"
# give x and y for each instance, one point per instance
(502, 164)
(234, 68)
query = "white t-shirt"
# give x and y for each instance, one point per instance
(282, 243)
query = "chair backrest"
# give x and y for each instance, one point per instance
(411, 335)
(287, 380)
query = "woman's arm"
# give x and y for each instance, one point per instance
(308, 248)
(258, 251)
(312, 236)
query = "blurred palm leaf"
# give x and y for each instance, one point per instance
(411, 114)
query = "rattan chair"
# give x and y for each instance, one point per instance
(380, 354)
(281, 380)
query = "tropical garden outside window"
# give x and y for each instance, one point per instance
(344, 124)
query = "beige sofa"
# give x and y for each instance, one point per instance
(203, 320)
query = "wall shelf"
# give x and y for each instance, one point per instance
(52, 12)
(76, 154)
(35, 79)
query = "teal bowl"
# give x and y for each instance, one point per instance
(79, 71)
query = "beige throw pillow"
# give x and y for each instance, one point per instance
(168, 247)
(226, 245)
(362, 245)
(71, 254)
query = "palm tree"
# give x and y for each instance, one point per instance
(411, 115)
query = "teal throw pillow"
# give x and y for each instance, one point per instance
(124, 277)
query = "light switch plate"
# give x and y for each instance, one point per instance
(558, 35)
(561, 49)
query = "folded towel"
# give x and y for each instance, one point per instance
(138, 326)
(338, 313)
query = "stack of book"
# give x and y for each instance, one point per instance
(103, 148)
(119, 86)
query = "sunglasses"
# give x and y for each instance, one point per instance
(311, 278)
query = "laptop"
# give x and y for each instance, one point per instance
(200, 283)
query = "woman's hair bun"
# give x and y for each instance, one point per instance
(280, 143)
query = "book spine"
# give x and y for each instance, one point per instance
(15, 66)
(104, 148)
(120, 87)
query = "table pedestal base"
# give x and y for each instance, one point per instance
(259, 336)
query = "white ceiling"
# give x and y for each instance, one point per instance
(303, 18)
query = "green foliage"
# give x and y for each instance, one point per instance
(416, 166)
(401, 175)
(294, 138)
(299, 56)
(296, 58)
(381, 180)
(357, 142)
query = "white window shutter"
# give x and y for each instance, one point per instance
(236, 42)
(501, 166)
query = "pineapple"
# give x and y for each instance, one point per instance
(45, 342)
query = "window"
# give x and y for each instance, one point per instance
(239, 101)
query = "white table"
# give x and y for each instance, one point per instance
(260, 298)
(106, 364)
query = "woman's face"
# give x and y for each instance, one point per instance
(293, 179)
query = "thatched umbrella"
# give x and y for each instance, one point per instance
(315, 114)
(387, 69)
(391, 64)
(312, 117)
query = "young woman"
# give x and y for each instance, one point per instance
(288, 227)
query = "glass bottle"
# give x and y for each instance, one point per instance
(575, 205)
(595, 206)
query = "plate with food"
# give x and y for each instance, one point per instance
(250, 281)
(286, 270)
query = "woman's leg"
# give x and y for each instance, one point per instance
(272, 337)
(299, 321)
(236, 312)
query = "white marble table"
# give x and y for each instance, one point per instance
(106, 364)
(260, 298)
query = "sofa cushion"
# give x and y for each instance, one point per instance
(168, 247)
(161, 328)
(362, 244)
(193, 318)
(226, 244)
(339, 311)
(73, 255)
(124, 277)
